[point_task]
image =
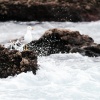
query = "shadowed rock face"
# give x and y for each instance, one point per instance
(64, 41)
(50, 10)
(14, 62)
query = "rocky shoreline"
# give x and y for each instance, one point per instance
(13, 62)
(50, 10)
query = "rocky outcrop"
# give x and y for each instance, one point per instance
(50, 10)
(53, 41)
(13, 62)
(64, 41)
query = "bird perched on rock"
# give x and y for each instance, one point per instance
(28, 36)
(18, 44)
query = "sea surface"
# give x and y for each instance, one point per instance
(60, 76)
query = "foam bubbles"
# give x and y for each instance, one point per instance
(60, 76)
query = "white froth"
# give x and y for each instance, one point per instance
(60, 76)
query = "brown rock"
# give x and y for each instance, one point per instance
(12, 62)
(24, 62)
(23, 69)
(50, 10)
(59, 40)
(69, 37)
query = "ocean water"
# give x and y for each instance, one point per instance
(60, 76)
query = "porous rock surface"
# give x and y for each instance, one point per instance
(64, 41)
(50, 10)
(13, 62)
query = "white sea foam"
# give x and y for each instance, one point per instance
(60, 76)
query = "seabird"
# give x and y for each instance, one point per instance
(20, 44)
(28, 36)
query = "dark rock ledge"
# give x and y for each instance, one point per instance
(53, 41)
(50, 10)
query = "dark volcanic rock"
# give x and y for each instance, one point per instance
(14, 62)
(50, 10)
(64, 41)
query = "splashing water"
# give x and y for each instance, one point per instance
(60, 76)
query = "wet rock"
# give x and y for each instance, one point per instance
(53, 41)
(13, 62)
(64, 41)
(50, 10)
(92, 51)
(79, 50)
